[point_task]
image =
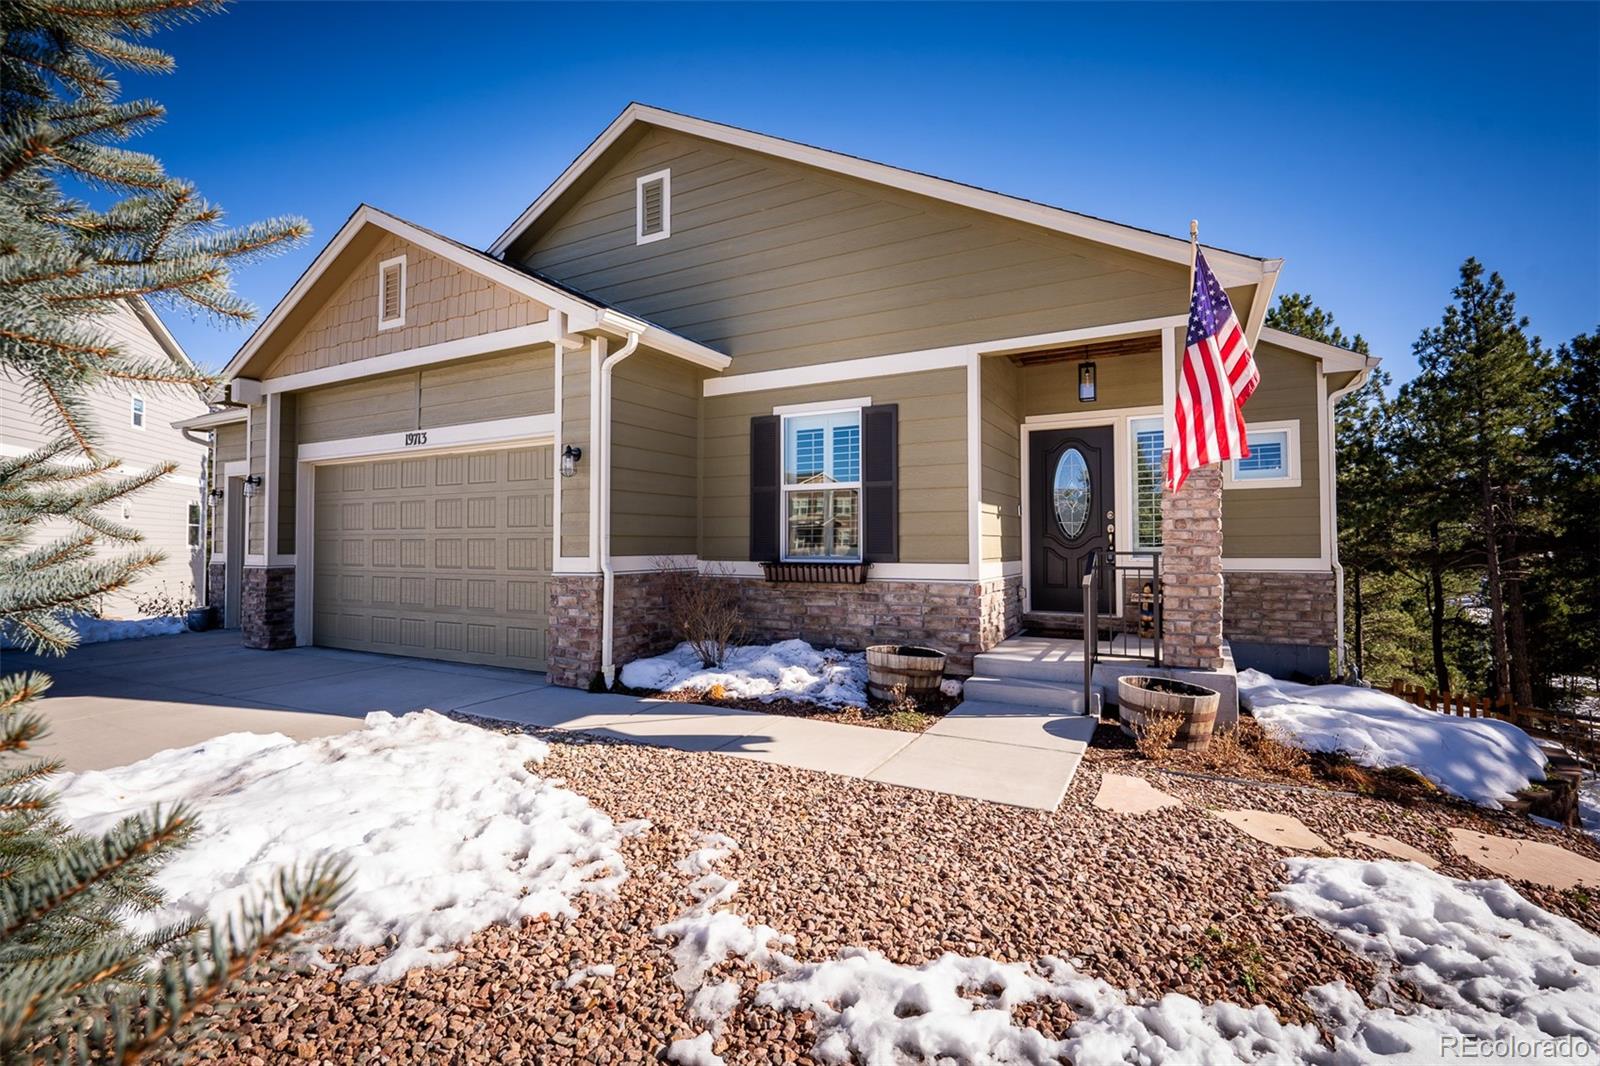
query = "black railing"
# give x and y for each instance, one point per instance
(1134, 588)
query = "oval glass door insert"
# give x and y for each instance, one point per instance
(1072, 493)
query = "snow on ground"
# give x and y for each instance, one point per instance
(100, 630)
(1504, 981)
(1589, 805)
(444, 830)
(791, 669)
(1483, 760)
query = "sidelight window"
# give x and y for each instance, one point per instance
(1147, 443)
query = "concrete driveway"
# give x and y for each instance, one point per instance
(121, 701)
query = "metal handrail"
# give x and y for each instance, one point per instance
(1103, 564)
(1091, 628)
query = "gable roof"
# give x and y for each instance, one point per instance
(584, 312)
(1234, 268)
(1334, 359)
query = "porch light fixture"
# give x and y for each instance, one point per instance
(252, 484)
(569, 459)
(1086, 383)
(215, 495)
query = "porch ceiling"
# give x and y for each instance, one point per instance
(1074, 353)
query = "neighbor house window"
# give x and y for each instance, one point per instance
(822, 485)
(1274, 460)
(653, 207)
(194, 525)
(392, 293)
(1146, 443)
(138, 412)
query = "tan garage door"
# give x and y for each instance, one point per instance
(438, 556)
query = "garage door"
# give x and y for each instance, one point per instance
(438, 556)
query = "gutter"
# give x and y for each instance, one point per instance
(1332, 444)
(602, 477)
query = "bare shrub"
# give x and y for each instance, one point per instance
(163, 603)
(1154, 735)
(1226, 750)
(703, 610)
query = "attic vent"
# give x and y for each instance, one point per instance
(654, 207)
(392, 293)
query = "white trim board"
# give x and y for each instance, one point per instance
(1265, 565)
(534, 429)
(1231, 267)
(501, 340)
(1335, 360)
(1291, 478)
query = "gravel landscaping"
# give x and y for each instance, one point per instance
(1155, 903)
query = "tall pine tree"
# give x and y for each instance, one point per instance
(71, 983)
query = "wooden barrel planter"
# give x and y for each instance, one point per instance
(1140, 697)
(919, 669)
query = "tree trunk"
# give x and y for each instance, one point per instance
(1441, 672)
(1498, 650)
(1517, 624)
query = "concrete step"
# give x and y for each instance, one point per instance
(1056, 666)
(1044, 696)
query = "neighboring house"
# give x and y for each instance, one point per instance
(135, 424)
(706, 348)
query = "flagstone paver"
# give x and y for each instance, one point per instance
(1526, 860)
(1283, 830)
(1123, 794)
(1398, 849)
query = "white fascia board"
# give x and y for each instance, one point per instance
(534, 429)
(1335, 360)
(211, 419)
(615, 323)
(1230, 267)
(411, 358)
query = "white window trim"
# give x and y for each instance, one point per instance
(383, 268)
(1131, 428)
(138, 412)
(197, 524)
(785, 413)
(639, 235)
(1290, 479)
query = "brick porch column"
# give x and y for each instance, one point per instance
(1191, 571)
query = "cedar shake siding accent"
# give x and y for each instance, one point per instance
(1001, 526)
(932, 464)
(779, 264)
(444, 302)
(1281, 523)
(655, 408)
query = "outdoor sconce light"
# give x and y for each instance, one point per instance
(252, 484)
(569, 459)
(215, 496)
(1086, 383)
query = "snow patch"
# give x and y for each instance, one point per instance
(1478, 759)
(578, 977)
(1589, 806)
(790, 669)
(695, 1051)
(444, 830)
(100, 630)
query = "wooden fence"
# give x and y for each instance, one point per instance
(1581, 735)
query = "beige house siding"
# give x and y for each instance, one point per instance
(1280, 523)
(575, 426)
(933, 461)
(1002, 460)
(655, 436)
(255, 507)
(444, 302)
(1120, 381)
(779, 264)
(229, 443)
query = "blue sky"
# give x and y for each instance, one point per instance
(1373, 147)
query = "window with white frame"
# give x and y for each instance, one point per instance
(1274, 460)
(194, 525)
(822, 485)
(137, 415)
(653, 207)
(1146, 443)
(392, 292)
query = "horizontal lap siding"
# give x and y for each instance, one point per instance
(575, 424)
(655, 430)
(779, 265)
(255, 506)
(229, 443)
(1002, 463)
(444, 302)
(1280, 523)
(1120, 381)
(933, 461)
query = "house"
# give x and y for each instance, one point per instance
(888, 406)
(136, 426)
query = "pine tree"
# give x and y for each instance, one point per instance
(73, 984)
(1567, 592)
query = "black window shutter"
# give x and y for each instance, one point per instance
(880, 483)
(764, 488)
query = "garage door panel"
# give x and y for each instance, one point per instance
(471, 580)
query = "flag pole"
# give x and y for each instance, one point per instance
(1194, 251)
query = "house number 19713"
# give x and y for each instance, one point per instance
(413, 439)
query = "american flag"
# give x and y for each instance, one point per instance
(1218, 376)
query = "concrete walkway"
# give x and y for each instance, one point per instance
(121, 701)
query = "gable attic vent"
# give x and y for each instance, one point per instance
(653, 207)
(392, 293)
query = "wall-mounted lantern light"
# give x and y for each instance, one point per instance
(252, 485)
(569, 459)
(1086, 383)
(215, 495)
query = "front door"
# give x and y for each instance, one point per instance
(1070, 513)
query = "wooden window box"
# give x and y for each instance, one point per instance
(817, 573)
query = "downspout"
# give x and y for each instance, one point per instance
(1332, 444)
(602, 477)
